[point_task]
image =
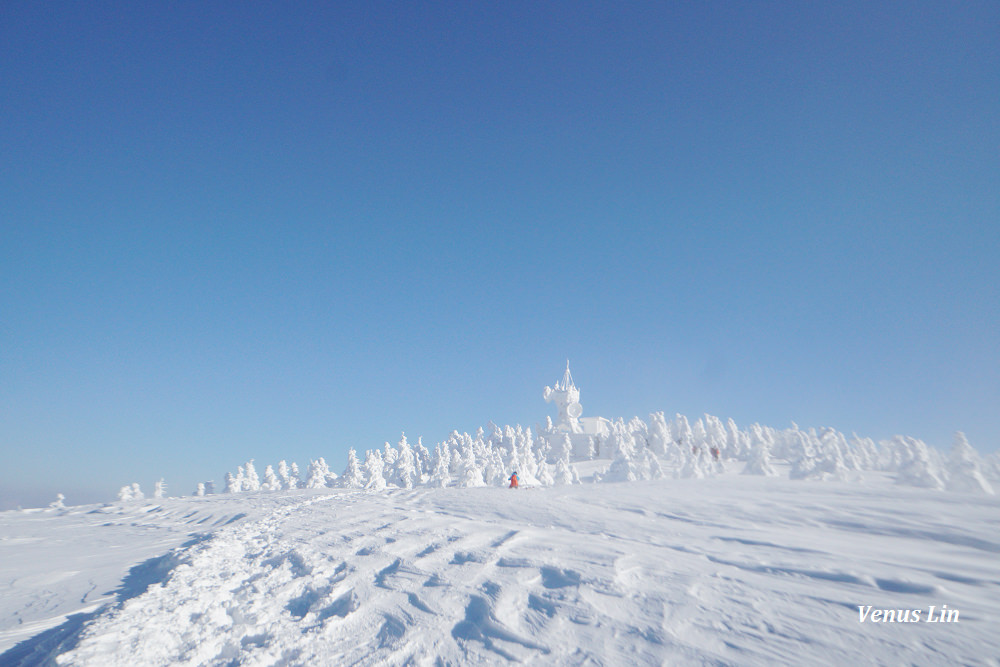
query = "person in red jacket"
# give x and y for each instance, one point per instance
(513, 480)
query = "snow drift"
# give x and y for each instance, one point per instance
(732, 569)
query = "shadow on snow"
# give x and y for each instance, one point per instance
(42, 649)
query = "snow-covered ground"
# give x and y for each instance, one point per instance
(734, 569)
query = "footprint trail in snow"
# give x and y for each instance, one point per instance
(643, 573)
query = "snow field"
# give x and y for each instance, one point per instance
(730, 570)
(73, 561)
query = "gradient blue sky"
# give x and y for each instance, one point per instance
(247, 230)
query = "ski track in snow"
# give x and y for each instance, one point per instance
(733, 570)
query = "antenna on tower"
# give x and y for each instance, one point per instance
(567, 380)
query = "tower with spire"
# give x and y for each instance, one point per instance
(567, 399)
(580, 430)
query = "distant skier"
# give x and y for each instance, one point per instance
(513, 480)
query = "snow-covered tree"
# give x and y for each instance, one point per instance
(319, 474)
(639, 432)
(543, 448)
(715, 434)
(513, 463)
(125, 493)
(508, 437)
(737, 443)
(893, 454)
(137, 493)
(801, 447)
(59, 503)
(759, 462)
(236, 483)
(251, 482)
(200, 489)
(644, 466)
(543, 472)
(647, 465)
(965, 468)
(471, 472)
(659, 434)
(160, 488)
(353, 477)
(404, 469)
(680, 429)
(271, 480)
(389, 456)
(622, 469)
(494, 471)
(824, 457)
(621, 441)
(697, 464)
(565, 449)
(564, 473)
(423, 461)
(699, 436)
(527, 466)
(920, 467)
(288, 481)
(865, 451)
(787, 445)
(440, 474)
(374, 467)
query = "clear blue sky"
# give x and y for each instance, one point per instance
(279, 230)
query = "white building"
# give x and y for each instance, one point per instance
(583, 432)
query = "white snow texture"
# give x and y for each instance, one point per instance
(735, 569)
(713, 548)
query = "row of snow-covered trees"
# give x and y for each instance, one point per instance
(286, 477)
(637, 450)
(823, 454)
(812, 454)
(461, 460)
(134, 492)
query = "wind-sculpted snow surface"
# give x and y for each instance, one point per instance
(733, 569)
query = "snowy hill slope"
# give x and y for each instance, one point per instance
(73, 561)
(730, 570)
